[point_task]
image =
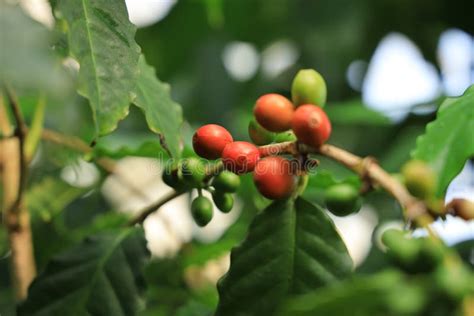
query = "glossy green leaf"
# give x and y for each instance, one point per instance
(26, 60)
(449, 140)
(101, 276)
(292, 248)
(163, 115)
(101, 38)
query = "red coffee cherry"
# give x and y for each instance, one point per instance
(240, 157)
(274, 178)
(209, 141)
(311, 125)
(274, 112)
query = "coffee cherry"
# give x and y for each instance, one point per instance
(274, 178)
(259, 135)
(288, 136)
(431, 253)
(311, 125)
(226, 181)
(209, 141)
(308, 88)
(274, 112)
(342, 199)
(240, 157)
(223, 201)
(201, 210)
(403, 251)
(193, 171)
(462, 208)
(420, 179)
(172, 177)
(454, 279)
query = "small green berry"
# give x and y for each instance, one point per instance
(259, 135)
(403, 250)
(193, 171)
(201, 210)
(308, 87)
(223, 201)
(172, 177)
(226, 181)
(420, 179)
(287, 136)
(342, 199)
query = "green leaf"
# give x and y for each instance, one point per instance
(292, 248)
(101, 38)
(26, 61)
(142, 147)
(355, 113)
(50, 197)
(385, 293)
(449, 140)
(163, 115)
(102, 276)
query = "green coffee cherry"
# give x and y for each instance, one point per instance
(342, 199)
(172, 177)
(403, 251)
(226, 181)
(223, 201)
(414, 255)
(201, 210)
(287, 136)
(420, 179)
(455, 280)
(431, 253)
(259, 135)
(193, 172)
(308, 87)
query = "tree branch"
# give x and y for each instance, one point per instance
(16, 217)
(366, 168)
(20, 132)
(143, 214)
(211, 171)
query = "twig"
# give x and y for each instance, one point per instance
(415, 210)
(15, 214)
(34, 133)
(143, 214)
(211, 171)
(72, 142)
(21, 134)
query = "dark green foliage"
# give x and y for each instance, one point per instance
(102, 276)
(292, 248)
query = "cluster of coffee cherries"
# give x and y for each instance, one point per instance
(276, 120)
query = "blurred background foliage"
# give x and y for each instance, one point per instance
(191, 49)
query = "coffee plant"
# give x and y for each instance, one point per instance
(286, 255)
